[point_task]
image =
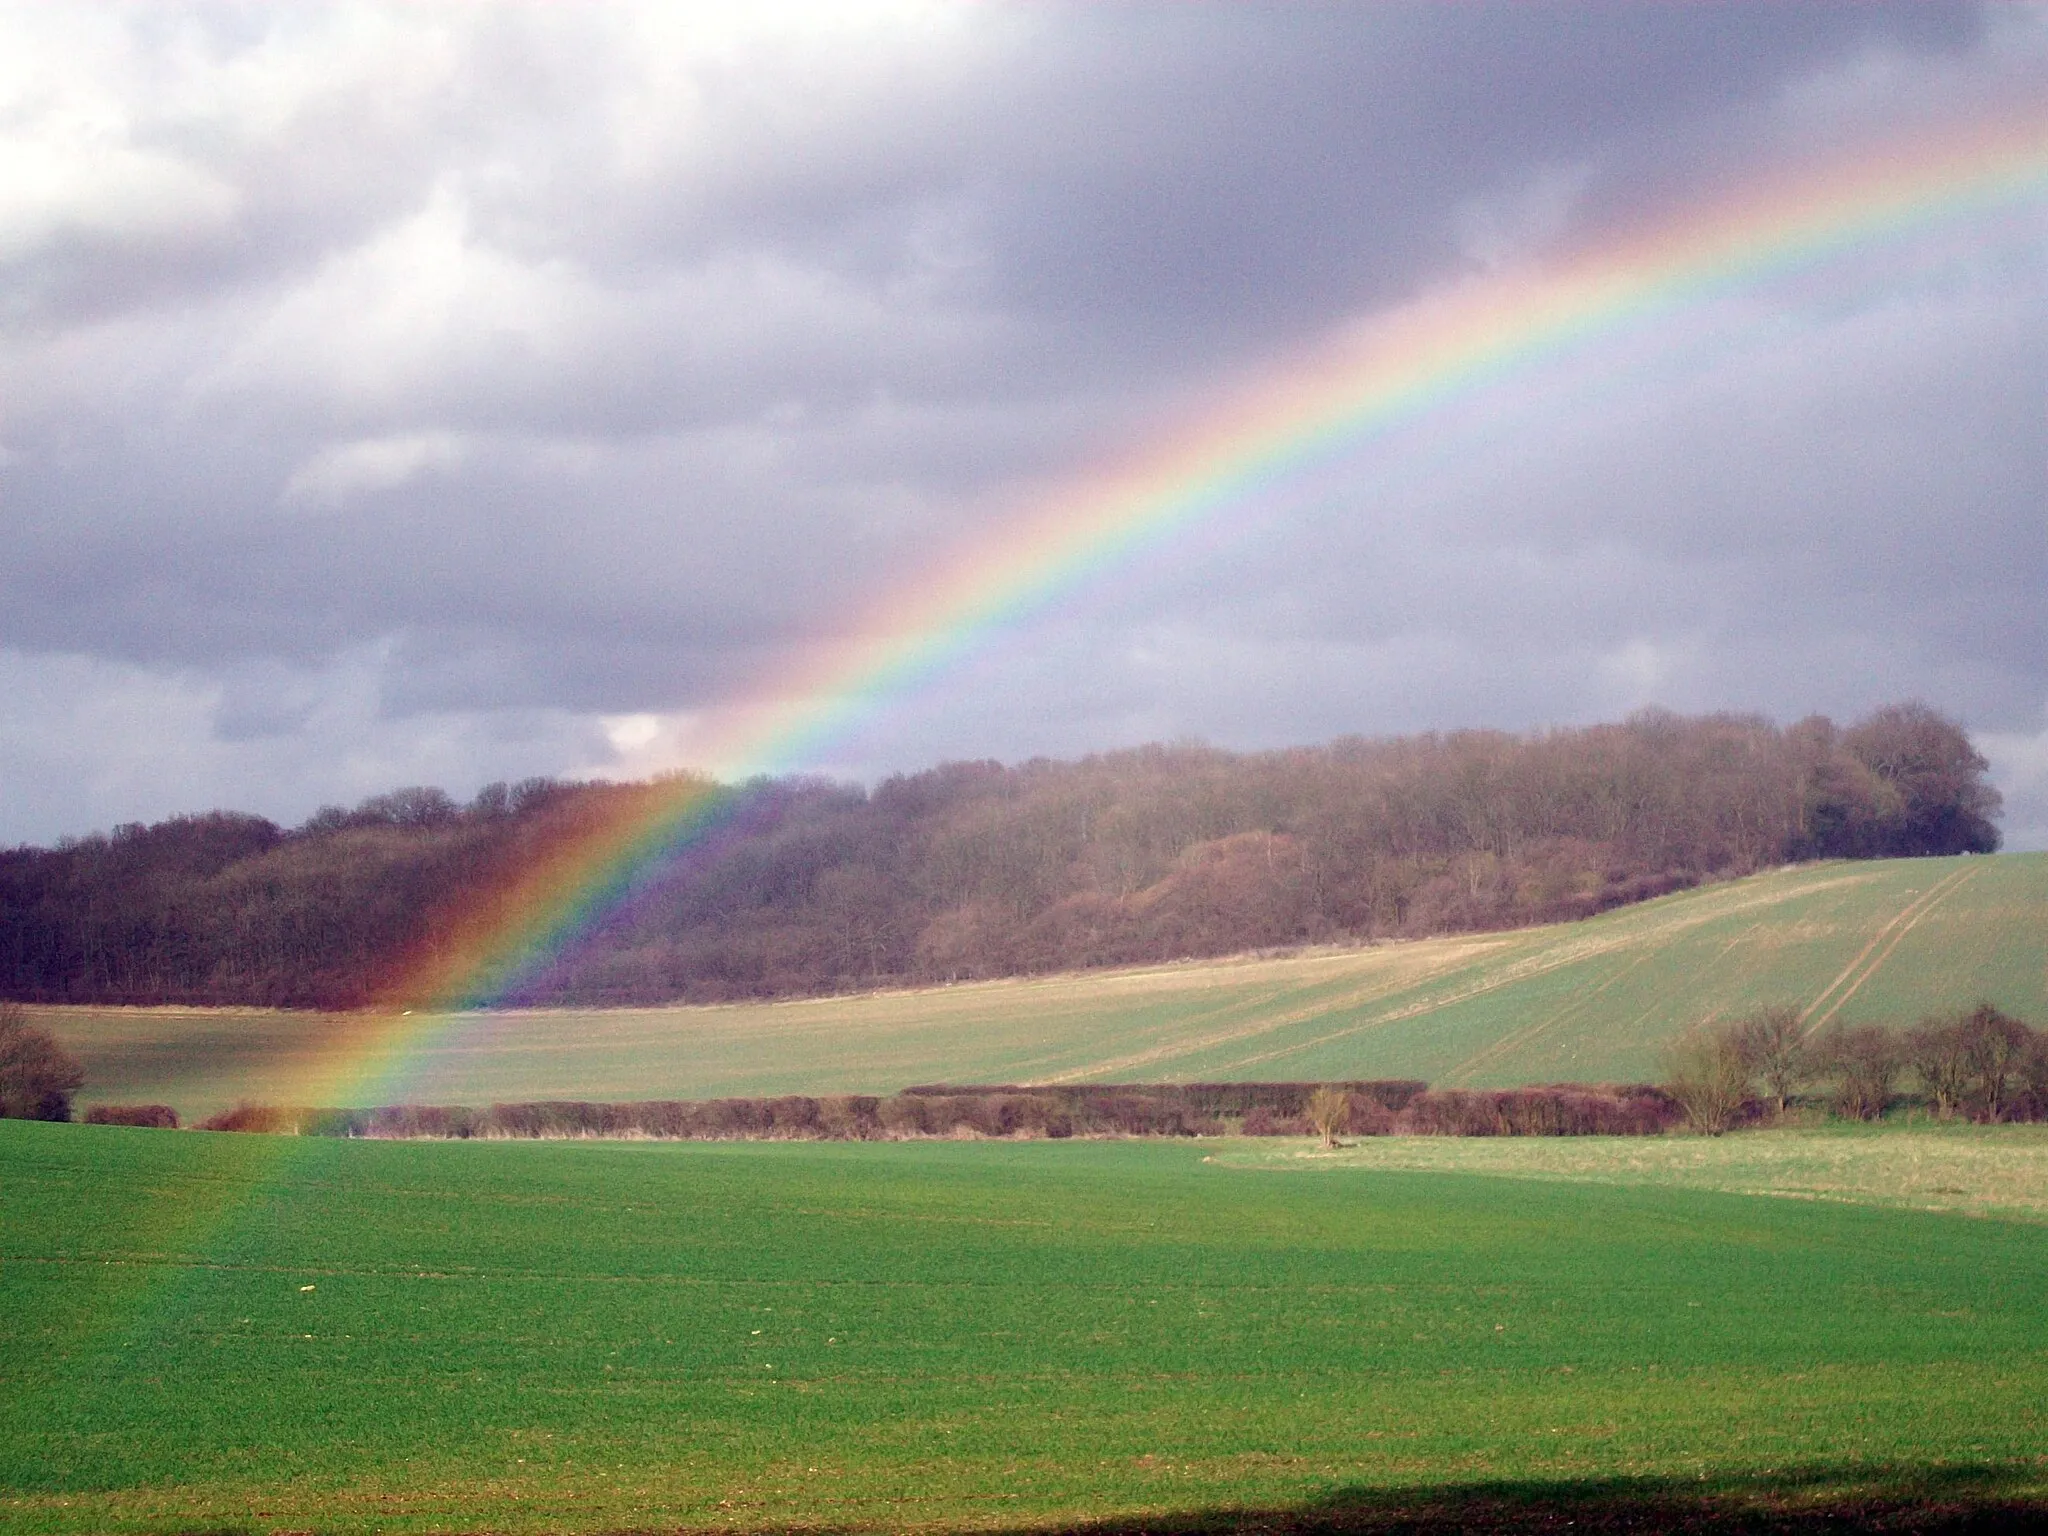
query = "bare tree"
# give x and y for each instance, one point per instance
(1329, 1111)
(1774, 1049)
(37, 1075)
(1939, 1054)
(1705, 1071)
(1864, 1060)
(1995, 1045)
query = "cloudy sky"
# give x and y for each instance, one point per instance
(439, 394)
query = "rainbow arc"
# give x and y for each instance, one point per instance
(1379, 378)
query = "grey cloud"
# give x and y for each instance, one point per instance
(468, 375)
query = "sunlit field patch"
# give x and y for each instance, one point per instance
(1577, 1002)
(282, 1333)
(1981, 1169)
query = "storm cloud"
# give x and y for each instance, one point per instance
(398, 394)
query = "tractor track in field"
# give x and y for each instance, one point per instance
(1889, 936)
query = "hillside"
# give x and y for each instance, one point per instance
(1885, 941)
(800, 887)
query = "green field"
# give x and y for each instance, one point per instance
(269, 1333)
(1885, 941)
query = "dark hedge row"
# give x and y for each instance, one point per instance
(1055, 1111)
(156, 1117)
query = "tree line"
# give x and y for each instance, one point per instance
(975, 869)
(1980, 1064)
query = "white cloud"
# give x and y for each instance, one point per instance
(339, 474)
(85, 743)
(2019, 767)
(1514, 227)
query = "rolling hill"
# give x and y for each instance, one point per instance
(1883, 941)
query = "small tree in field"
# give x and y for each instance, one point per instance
(37, 1075)
(1996, 1047)
(1939, 1052)
(1329, 1111)
(1865, 1060)
(1773, 1048)
(2034, 1074)
(1706, 1072)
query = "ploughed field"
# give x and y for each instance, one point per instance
(210, 1332)
(1885, 941)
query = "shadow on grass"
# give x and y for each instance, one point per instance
(1799, 1501)
(2010, 1497)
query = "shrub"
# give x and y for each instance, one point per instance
(850, 1117)
(722, 1118)
(795, 1117)
(1773, 1047)
(1055, 1111)
(445, 1122)
(905, 1114)
(1939, 1055)
(1261, 1120)
(1329, 1111)
(1864, 1060)
(555, 1118)
(160, 1117)
(1453, 1112)
(1368, 1116)
(261, 1119)
(37, 1075)
(668, 1119)
(1559, 1109)
(1572, 1110)
(1996, 1047)
(1706, 1072)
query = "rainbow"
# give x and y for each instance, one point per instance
(1377, 378)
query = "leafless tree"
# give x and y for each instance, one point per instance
(1864, 1060)
(1996, 1047)
(37, 1075)
(1329, 1111)
(1705, 1071)
(1938, 1051)
(1773, 1048)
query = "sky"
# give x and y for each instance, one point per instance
(439, 394)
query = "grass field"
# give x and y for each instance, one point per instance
(265, 1333)
(1885, 941)
(1928, 1166)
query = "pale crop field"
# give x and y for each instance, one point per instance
(1884, 941)
(1978, 1170)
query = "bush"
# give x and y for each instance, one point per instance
(1569, 1109)
(905, 1114)
(1772, 1044)
(159, 1117)
(37, 1075)
(1707, 1073)
(850, 1117)
(1261, 1120)
(1454, 1112)
(262, 1119)
(1062, 1110)
(1329, 1111)
(1368, 1116)
(1938, 1052)
(1864, 1060)
(1996, 1048)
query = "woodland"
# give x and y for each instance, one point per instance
(805, 886)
